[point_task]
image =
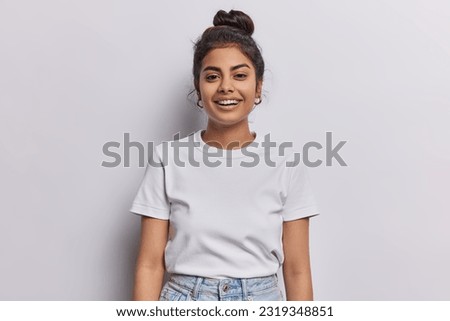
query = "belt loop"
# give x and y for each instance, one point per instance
(198, 283)
(244, 289)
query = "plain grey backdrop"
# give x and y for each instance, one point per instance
(75, 75)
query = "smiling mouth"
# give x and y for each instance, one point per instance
(227, 104)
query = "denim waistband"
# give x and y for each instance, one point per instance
(193, 284)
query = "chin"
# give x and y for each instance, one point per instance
(227, 121)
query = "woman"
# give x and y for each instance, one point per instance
(215, 216)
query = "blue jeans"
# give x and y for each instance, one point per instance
(181, 287)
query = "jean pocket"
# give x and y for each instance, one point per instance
(269, 294)
(168, 294)
(173, 292)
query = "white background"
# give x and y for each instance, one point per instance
(77, 74)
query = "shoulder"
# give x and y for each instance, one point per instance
(279, 148)
(178, 138)
(178, 143)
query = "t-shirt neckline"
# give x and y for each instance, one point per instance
(253, 147)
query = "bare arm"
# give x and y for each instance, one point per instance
(296, 267)
(149, 273)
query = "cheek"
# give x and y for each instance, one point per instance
(248, 87)
(207, 89)
(249, 90)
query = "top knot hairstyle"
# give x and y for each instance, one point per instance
(234, 28)
(235, 19)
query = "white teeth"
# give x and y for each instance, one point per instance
(228, 102)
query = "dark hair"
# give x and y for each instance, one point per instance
(234, 28)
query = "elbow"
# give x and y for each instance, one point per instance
(296, 270)
(153, 265)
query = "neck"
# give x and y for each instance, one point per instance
(231, 137)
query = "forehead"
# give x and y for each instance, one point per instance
(225, 58)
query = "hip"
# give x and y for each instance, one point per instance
(180, 287)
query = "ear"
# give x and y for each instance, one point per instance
(259, 84)
(197, 88)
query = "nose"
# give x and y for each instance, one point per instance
(226, 86)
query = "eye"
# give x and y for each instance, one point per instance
(211, 77)
(241, 76)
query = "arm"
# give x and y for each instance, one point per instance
(296, 267)
(149, 273)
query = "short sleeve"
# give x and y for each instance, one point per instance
(300, 201)
(151, 198)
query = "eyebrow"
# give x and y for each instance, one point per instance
(231, 68)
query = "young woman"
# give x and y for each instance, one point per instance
(221, 212)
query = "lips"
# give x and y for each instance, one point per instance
(227, 102)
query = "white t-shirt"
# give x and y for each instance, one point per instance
(226, 207)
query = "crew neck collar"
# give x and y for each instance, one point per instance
(253, 147)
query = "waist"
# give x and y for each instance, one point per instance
(255, 284)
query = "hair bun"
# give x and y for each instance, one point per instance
(236, 19)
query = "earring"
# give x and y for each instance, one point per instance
(258, 100)
(199, 100)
